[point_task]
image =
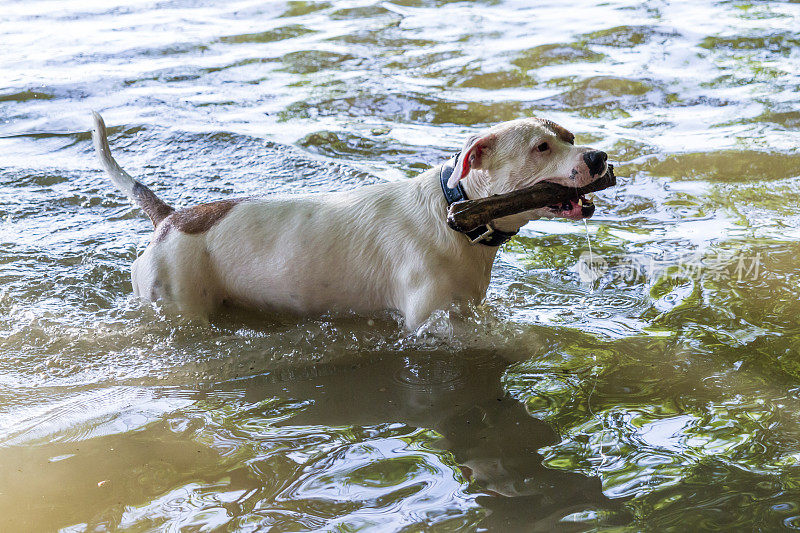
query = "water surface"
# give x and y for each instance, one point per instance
(662, 395)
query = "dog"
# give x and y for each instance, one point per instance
(379, 247)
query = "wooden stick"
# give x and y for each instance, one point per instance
(468, 215)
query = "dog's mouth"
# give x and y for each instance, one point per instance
(582, 207)
(575, 209)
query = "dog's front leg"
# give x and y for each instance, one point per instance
(420, 302)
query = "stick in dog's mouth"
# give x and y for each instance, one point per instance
(570, 202)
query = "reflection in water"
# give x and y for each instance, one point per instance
(317, 452)
(654, 398)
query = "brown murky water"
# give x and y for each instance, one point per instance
(660, 390)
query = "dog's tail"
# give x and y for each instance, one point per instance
(152, 205)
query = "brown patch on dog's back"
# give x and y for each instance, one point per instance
(197, 219)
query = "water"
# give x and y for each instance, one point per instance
(664, 395)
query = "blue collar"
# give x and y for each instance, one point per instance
(486, 234)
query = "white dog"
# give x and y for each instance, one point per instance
(384, 246)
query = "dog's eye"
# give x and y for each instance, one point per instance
(543, 147)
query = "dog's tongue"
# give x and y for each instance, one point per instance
(574, 209)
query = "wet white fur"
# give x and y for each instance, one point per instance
(384, 246)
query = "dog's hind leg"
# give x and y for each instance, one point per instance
(178, 272)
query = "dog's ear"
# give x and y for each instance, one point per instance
(472, 156)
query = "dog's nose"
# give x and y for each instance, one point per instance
(595, 160)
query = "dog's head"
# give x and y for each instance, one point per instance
(517, 154)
